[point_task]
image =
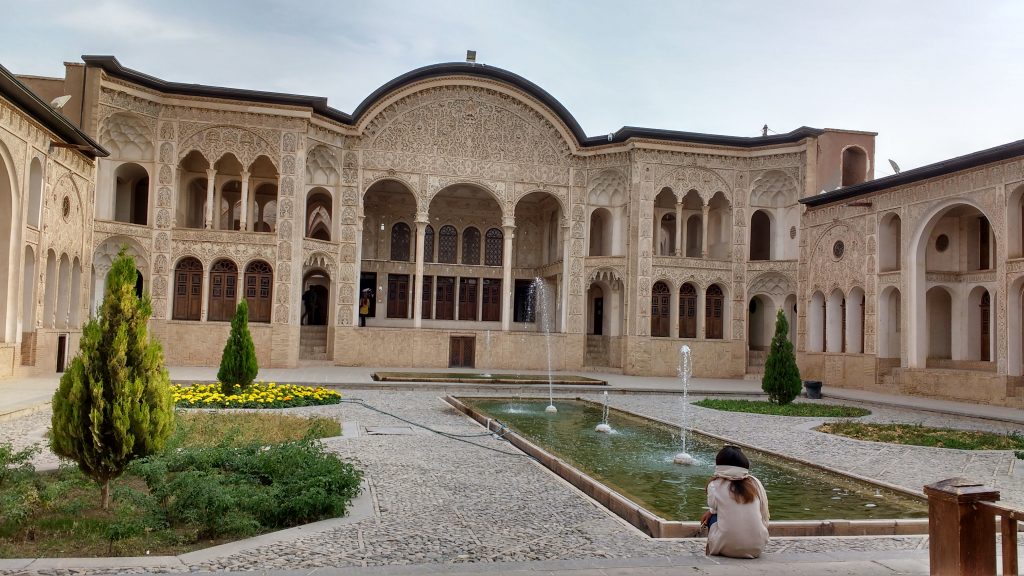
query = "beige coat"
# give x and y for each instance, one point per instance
(742, 529)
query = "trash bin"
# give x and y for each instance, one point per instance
(813, 388)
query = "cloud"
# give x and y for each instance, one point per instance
(127, 21)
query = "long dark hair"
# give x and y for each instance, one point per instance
(741, 491)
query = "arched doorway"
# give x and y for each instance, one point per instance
(661, 298)
(939, 323)
(316, 315)
(981, 337)
(715, 313)
(539, 241)
(889, 328)
(953, 240)
(760, 236)
(687, 311)
(816, 323)
(8, 204)
(835, 322)
(760, 329)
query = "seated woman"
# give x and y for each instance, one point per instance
(738, 517)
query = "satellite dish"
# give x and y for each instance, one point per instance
(60, 101)
(895, 166)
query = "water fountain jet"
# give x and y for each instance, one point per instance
(604, 426)
(540, 295)
(685, 370)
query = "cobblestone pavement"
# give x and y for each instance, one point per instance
(440, 500)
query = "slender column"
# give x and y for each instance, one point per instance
(701, 314)
(211, 177)
(243, 213)
(563, 291)
(206, 294)
(101, 288)
(673, 314)
(218, 201)
(359, 269)
(506, 275)
(679, 229)
(417, 295)
(704, 230)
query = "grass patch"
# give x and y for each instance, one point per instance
(259, 395)
(223, 477)
(918, 435)
(792, 409)
(241, 428)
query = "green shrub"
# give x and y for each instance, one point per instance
(781, 380)
(239, 491)
(238, 365)
(19, 495)
(114, 403)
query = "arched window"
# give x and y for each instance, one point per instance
(223, 277)
(428, 244)
(714, 313)
(855, 166)
(660, 302)
(687, 311)
(35, 191)
(471, 246)
(400, 240)
(760, 236)
(447, 244)
(188, 290)
(493, 247)
(985, 309)
(131, 195)
(889, 243)
(694, 237)
(259, 279)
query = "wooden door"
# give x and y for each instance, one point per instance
(986, 324)
(462, 350)
(660, 302)
(444, 308)
(491, 300)
(688, 311)
(714, 302)
(468, 287)
(398, 295)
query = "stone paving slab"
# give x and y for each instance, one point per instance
(477, 505)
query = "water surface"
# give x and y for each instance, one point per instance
(636, 461)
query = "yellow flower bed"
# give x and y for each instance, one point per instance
(260, 395)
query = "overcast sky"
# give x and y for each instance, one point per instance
(935, 79)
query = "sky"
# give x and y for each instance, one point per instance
(934, 79)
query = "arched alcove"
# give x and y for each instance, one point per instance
(939, 323)
(600, 232)
(816, 323)
(35, 192)
(760, 236)
(194, 185)
(835, 322)
(319, 207)
(889, 243)
(855, 321)
(889, 328)
(28, 292)
(855, 165)
(131, 194)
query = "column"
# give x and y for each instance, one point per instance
(679, 229)
(563, 292)
(417, 292)
(359, 266)
(506, 274)
(101, 288)
(218, 201)
(704, 230)
(206, 293)
(701, 313)
(211, 177)
(243, 220)
(673, 313)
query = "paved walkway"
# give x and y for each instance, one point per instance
(449, 507)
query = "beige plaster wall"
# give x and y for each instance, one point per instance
(829, 174)
(711, 358)
(201, 344)
(978, 387)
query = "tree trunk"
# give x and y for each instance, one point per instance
(106, 494)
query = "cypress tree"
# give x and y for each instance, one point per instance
(238, 362)
(781, 378)
(114, 403)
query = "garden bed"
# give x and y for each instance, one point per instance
(917, 435)
(259, 395)
(222, 477)
(793, 409)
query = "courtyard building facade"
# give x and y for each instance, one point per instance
(460, 217)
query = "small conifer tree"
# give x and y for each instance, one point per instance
(781, 378)
(114, 403)
(238, 362)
